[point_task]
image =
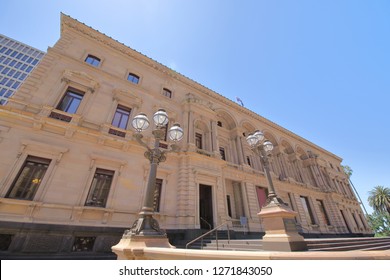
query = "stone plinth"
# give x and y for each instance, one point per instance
(132, 247)
(281, 233)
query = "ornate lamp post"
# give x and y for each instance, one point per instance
(281, 233)
(146, 225)
(262, 147)
(146, 230)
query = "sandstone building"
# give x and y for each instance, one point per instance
(72, 177)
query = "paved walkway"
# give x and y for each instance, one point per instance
(188, 254)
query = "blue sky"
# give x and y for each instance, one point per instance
(321, 69)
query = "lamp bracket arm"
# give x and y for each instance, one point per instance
(174, 148)
(138, 137)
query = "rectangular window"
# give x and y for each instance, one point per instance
(361, 219)
(262, 194)
(3, 81)
(121, 117)
(164, 137)
(324, 215)
(10, 82)
(29, 178)
(5, 241)
(71, 101)
(198, 140)
(15, 85)
(222, 153)
(69, 104)
(100, 188)
(23, 76)
(10, 73)
(133, 78)
(229, 205)
(307, 209)
(248, 160)
(166, 92)
(93, 60)
(157, 195)
(17, 74)
(291, 201)
(5, 71)
(354, 218)
(83, 243)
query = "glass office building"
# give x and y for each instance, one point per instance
(17, 60)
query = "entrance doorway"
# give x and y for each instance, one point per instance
(206, 207)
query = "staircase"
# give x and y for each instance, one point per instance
(232, 245)
(323, 244)
(348, 244)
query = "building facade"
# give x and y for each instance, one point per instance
(72, 177)
(17, 60)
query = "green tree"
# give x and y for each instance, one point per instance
(379, 199)
(347, 170)
(380, 223)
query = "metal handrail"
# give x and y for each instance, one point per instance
(209, 232)
(210, 227)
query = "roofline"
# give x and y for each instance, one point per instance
(67, 21)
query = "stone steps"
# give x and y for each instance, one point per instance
(348, 244)
(325, 244)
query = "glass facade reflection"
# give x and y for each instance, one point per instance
(17, 60)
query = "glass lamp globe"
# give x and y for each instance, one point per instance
(160, 118)
(252, 140)
(176, 133)
(259, 135)
(140, 122)
(268, 146)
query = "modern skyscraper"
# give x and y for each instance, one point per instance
(16, 61)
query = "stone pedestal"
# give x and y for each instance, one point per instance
(281, 233)
(131, 247)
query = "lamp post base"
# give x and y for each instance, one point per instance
(145, 225)
(281, 233)
(144, 233)
(131, 247)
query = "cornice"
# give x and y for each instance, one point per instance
(68, 22)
